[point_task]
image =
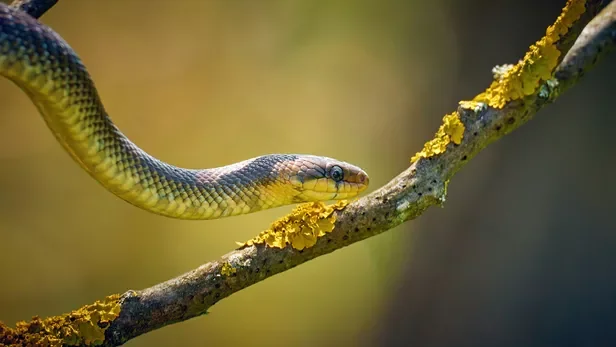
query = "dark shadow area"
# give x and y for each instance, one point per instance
(523, 253)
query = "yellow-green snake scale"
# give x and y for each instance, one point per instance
(47, 69)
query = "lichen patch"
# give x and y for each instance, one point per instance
(474, 106)
(301, 228)
(227, 269)
(538, 64)
(452, 130)
(85, 326)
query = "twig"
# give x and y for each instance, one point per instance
(594, 42)
(463, 135)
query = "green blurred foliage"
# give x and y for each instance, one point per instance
(209, 83)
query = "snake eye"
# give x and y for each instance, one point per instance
(336, 173)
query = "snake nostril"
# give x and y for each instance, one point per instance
(362, 178)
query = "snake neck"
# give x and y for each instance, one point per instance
(52, 75)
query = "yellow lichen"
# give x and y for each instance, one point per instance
(538, 64)
(452, 130)
(301, 228)
(227, 269)
(85, 326)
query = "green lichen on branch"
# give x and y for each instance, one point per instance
(452, 130)
(227, 269)
(538, 64)
(474, 106)
(85, 326)
(301, 228)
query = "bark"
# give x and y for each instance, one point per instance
(473, 126)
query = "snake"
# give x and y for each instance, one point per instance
(39, 61)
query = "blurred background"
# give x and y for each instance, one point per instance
(522, 254)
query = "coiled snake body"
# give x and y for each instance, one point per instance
(46, 68)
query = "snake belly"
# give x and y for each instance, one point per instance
(47, 69)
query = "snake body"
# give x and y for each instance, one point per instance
(47, 69)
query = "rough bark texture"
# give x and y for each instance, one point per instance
(407, 196)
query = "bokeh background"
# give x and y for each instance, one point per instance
(522, 254)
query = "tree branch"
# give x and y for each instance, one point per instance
(595, 41)
(517, 94)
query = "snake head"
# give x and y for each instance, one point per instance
(322, 178)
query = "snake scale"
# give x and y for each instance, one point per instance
(47, 69)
